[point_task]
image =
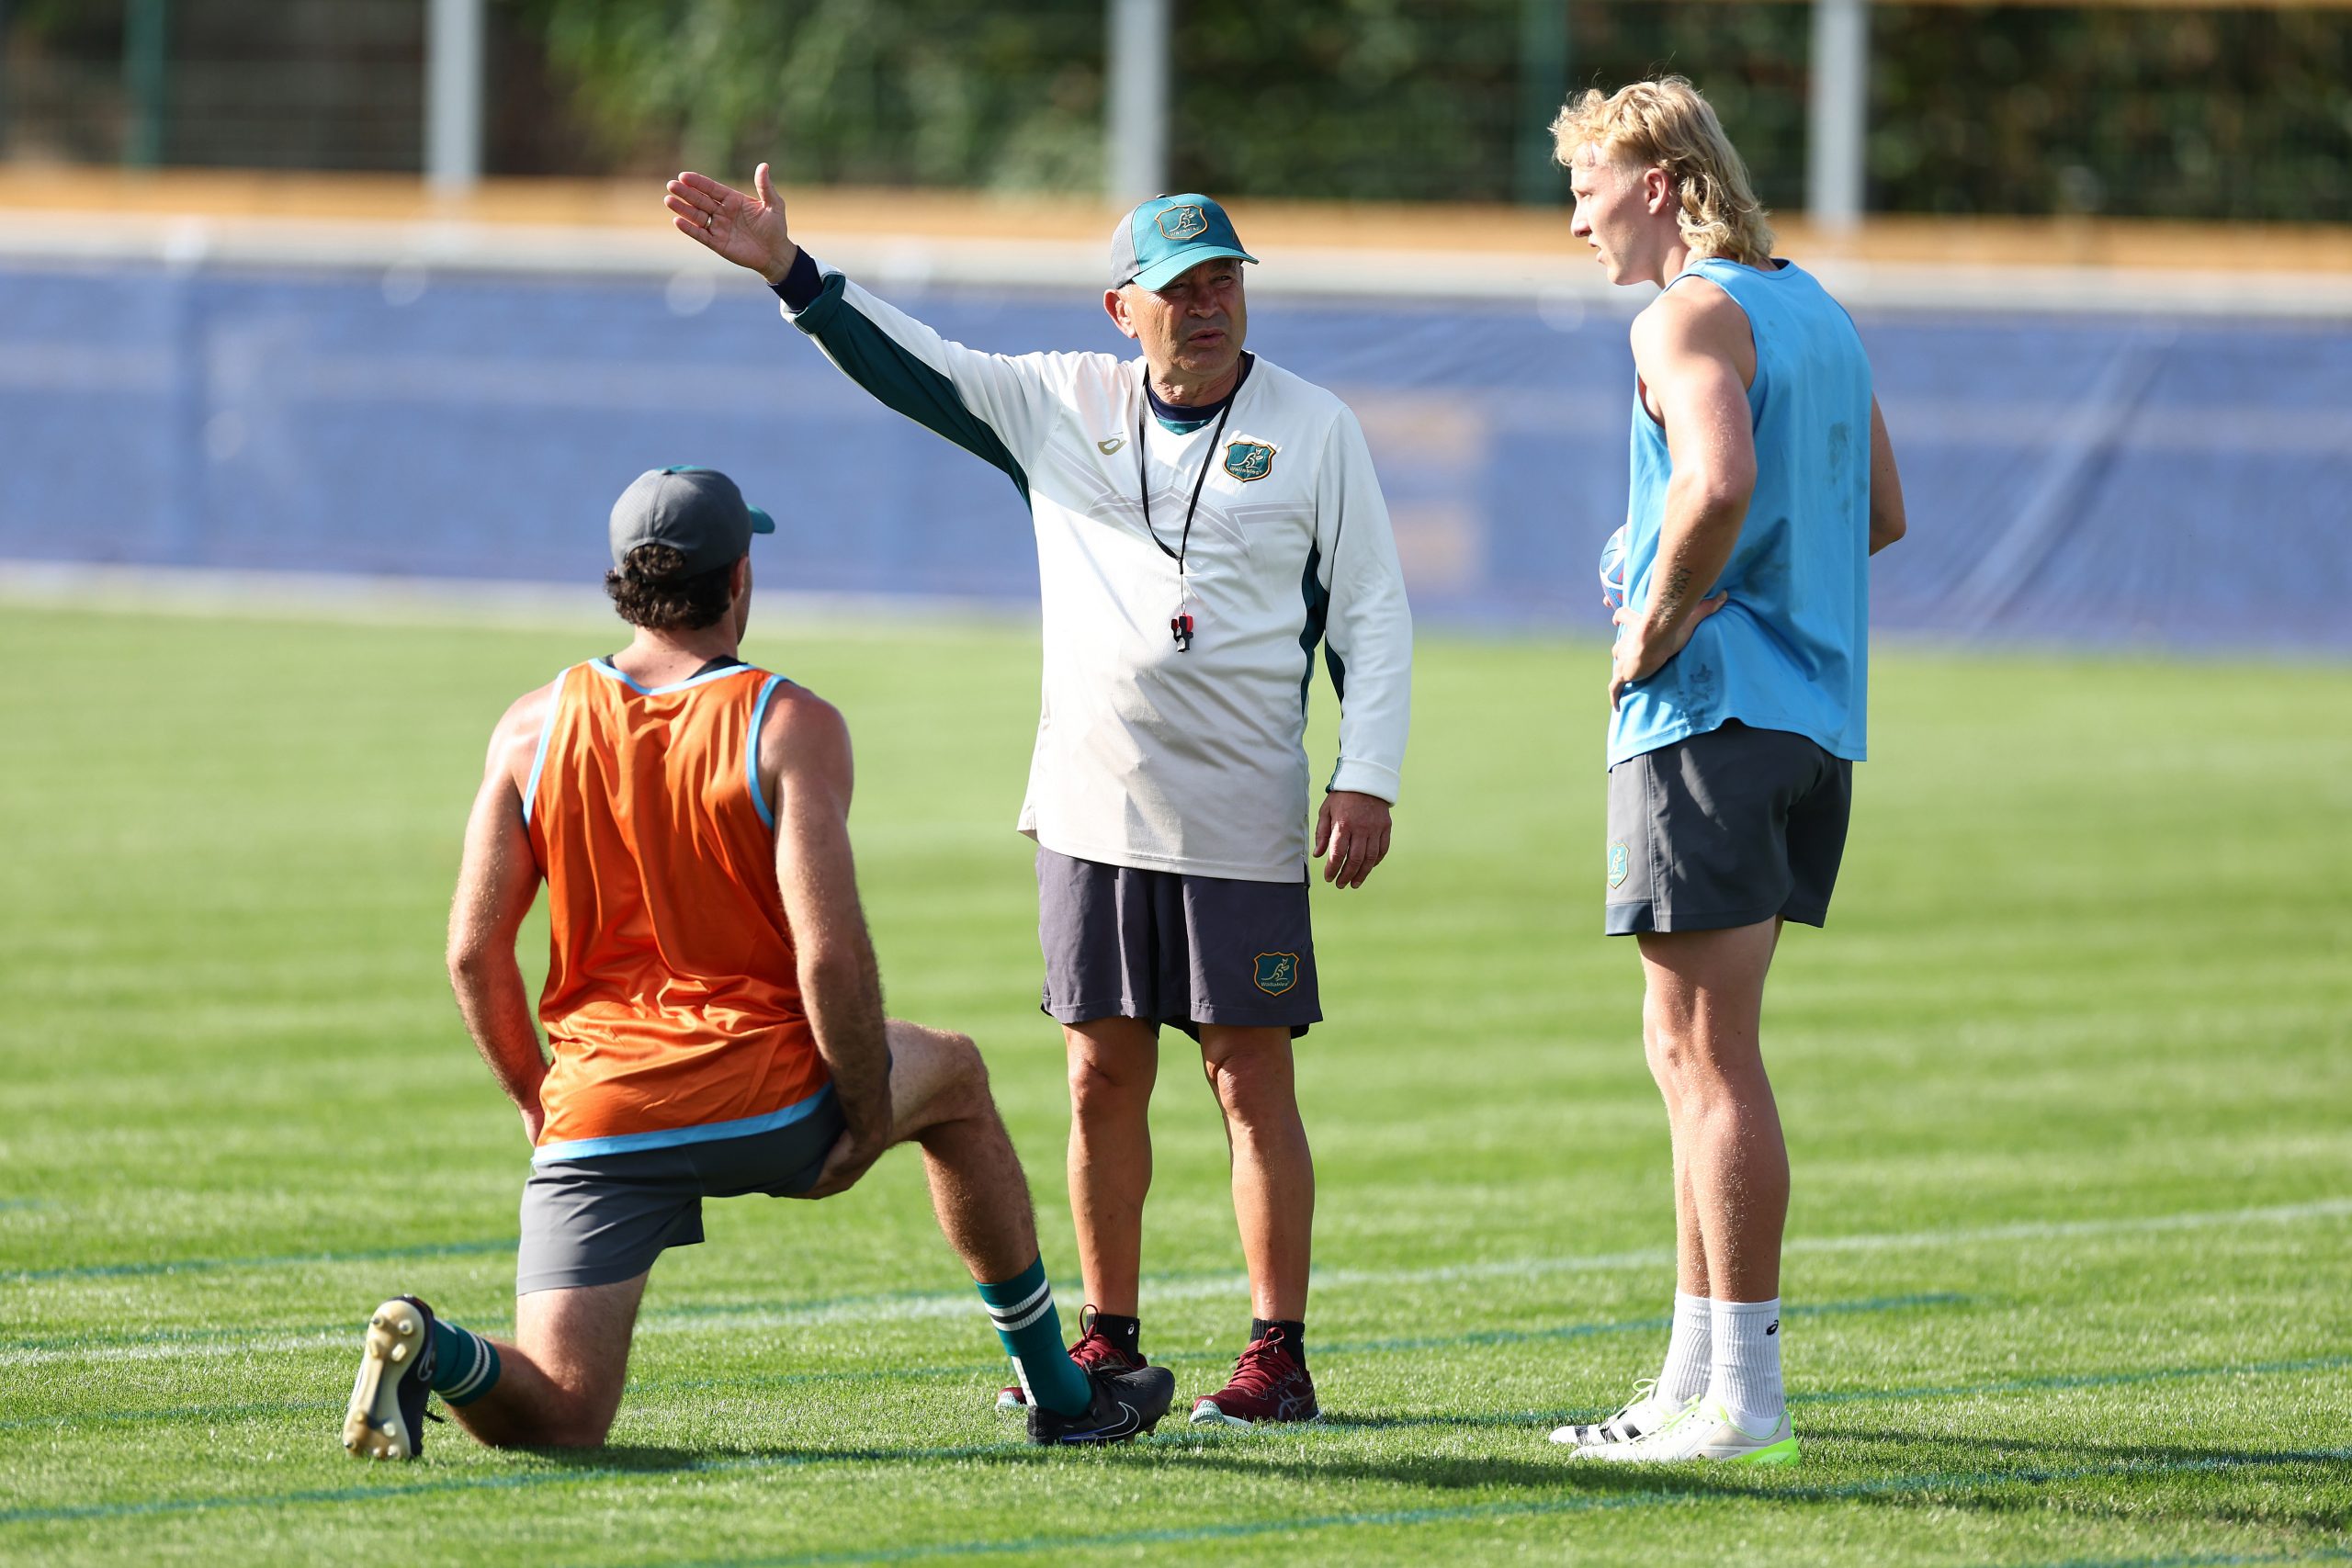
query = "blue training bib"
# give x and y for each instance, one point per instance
(1791, 648)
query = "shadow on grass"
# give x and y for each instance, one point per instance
(2008, 1477)
(2070, 1451)
(1539, 1422)
(1545, 1479)
(641, 1456)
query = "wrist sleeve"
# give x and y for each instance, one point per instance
(801, 285)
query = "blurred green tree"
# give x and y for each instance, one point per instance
(2227, 113)
(884, 91)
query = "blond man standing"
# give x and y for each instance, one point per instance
(1762, 480)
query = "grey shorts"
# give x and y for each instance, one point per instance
(1725, 829)
(1170, 948)
(605, 1218)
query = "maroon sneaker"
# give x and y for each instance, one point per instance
(1268, 1384)
(1092, 1351)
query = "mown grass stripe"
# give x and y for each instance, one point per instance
(2052, 1381)
(2124, 1377)
(2194, 1560)
(1496, 1511)
(1477, 1338)
(284, 1260)
(1015, 1453)
(63, 1347)
(1869, 1241)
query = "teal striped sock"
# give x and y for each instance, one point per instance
(1022, 1310)
(465, 1365)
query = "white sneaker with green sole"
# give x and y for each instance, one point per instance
(1703, 1429)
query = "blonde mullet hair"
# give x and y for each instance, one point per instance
(1664, 124)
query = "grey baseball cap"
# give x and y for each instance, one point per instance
(697, 512)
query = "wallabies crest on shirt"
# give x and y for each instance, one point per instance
(1277, 972)
(1247, 460)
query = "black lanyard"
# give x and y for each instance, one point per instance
(1180, 622)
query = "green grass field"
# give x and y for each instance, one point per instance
(2066, 1085)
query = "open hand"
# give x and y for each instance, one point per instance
(1354, 826)
(746, 229)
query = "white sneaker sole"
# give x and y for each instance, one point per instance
(372, 1427)
(1784, 1451)
(1206, 1414)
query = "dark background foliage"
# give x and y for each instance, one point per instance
(2212, 114)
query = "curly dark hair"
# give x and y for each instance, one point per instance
(650, 590)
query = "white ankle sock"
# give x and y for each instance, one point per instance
(1746, 1372)
(1688, 1362)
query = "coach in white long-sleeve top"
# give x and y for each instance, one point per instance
(1204, 519)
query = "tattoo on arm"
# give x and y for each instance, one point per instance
(1667, 602)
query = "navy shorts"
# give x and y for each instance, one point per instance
(601, 1219)
(1169, 948)
(1725, 829)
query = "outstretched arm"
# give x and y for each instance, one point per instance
(1687, 348)
(807, 745)
(497, 880)
(997, 407)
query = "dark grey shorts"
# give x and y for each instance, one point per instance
(1174, 949)
(1725, 829)
(605, 1218)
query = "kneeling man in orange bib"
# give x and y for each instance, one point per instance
(712, 1010)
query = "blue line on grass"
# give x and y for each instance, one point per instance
(205, 1265)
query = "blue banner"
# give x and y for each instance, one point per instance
(2071, 477)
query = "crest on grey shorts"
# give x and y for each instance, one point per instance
(1277, 972)
(1621, 861)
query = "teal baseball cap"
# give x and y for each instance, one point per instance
(1168, 236)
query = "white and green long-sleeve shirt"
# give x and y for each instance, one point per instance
(1148, 756)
